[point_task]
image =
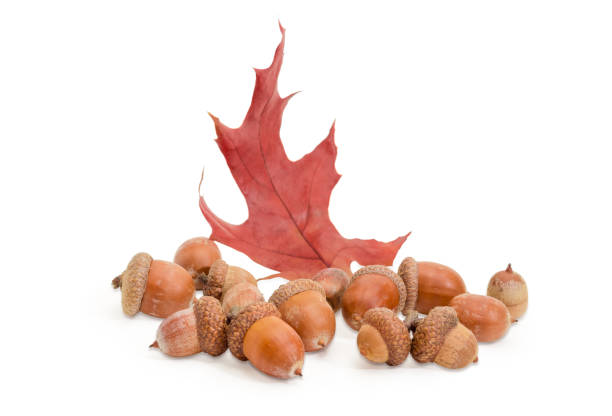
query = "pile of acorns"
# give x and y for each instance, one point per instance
(300, 315)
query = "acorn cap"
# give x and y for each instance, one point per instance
(284, 292)
(239, 326)
(409, 273)
(213, 286)
(385, 271)
(429, 334)
(392, 330)
(210, 321)
(133, 283)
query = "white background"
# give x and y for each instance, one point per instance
(481, 126)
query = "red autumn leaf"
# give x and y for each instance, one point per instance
(288, 228)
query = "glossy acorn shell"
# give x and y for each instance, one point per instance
(312, 318)
(366, 292)
(487, 317)
(169, 288)
(274, 348)
(437, 285)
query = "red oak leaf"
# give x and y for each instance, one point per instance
(288, 228)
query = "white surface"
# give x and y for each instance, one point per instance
(483, 127)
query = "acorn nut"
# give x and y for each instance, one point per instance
(487, 317)
(303, 305)
(334, 281)
(196, 255)
(372, 287)
(383, 338)
(438, 284)
(442, 339)
(510, 288)
(196, 329)
(155, 287)
(258, 334)
(221, 277)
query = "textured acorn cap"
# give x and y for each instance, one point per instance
(385, 271)
(239, 326)
(284, 292)
(133, 282)
(393, 332)
(409, 273)
(211, 325)
(213, 286)
(429, 334)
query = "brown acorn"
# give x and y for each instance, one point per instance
(441, 338)
(192, 330)
(372, 287)
(487, 317)
(155, 287)
(196, 255)
(334, 281)
(510, 288)
(438, 284)
(221, 277)
(238, 297)
(258, 334)
(383, 338)
(302, 305)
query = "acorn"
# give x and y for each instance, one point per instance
(441, 338)
(196, 255)
(372, 287)
(487, 317)
(221, 277)
(303, 305)
(383, 338)
(438, 284)
(155, 287)
(192, 330)
(238, 297)
(258, 334)
(409, 272)
(510, 288)
(334, 281)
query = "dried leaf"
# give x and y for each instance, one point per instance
(288, 228)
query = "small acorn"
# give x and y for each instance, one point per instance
(221, 277)
(302, 305)
(372, 287)
(442, 339)
(192, 330)
(258, 334)
(409, 272)
(438, 284)
(238, 297)
(383, 338)
(196, 255)
(510, 288)
(487, 317)
(155, 287)
(334, 281)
